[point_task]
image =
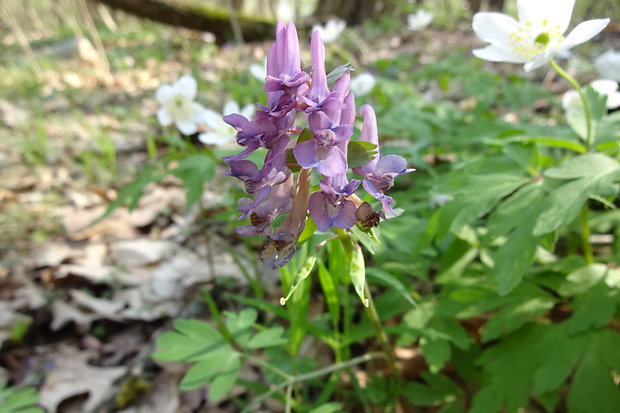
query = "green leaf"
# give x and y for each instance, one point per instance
(270, 337)
(437, 390)
(225, 380)
(593, 389)
(329, 286)
(562, 206)
(360, 153)
(367, 238)
(358, 273)
(583, 166)
(240, 325)
(18, 400)
(194, 341)
(327, 408)
(582, 279)
(305, 135)
(514, 258)
(436, 352)
(301, 275)
(552, 142)
(389, 280)
(594, 309)
(194, 171)
(513, 317)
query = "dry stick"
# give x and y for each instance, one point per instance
(21, 38)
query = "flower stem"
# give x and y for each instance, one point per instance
(318, 373)
(586, 106)
(371, 311)
(585, 235)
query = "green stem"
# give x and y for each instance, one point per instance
(309, 376)
(586, 106)
(585, 235)
(215, 312)
(373, 315)
(264, 364)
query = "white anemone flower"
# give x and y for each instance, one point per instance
(178, 106)
(608, 65)
(419, 20)
(220, 132)
(362, 84)
(571, 100)
(536, 37)
(259, 71)
(331, 30)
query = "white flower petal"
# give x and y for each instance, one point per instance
(605, 86)
(258, 71)
(164, 93)
(495, 28)
(186, 86)
(557, 12)
(613, 100)
(186, 126)
(538, 61)
(230, 107)
(419, 20)
(583, 32)
(164, 117)
(608, 65)
(212, 138)
(571, 100)
(212, 119)
(248, 111)
(362, 84)
(494, 53)
(197, 112)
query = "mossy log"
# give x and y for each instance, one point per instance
(216, 21)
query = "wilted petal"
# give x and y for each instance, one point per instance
(583, 32)
(346, 216)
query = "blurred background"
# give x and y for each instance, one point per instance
(110, 223)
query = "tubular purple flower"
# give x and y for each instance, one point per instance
(329, 206)
(284, 63)
(277, 201)
(274, 172)
(323, 152)
(379, 173)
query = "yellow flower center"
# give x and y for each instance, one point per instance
(534, 37)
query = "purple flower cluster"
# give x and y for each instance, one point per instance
(330, 115)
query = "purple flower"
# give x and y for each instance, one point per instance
(270, 202)
(319, 97)
(330, 206)
(264, 131)
(274, 172)
(379, 173)
(324, 152)
(284, 72)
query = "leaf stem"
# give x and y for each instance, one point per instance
(585, 235)
(586, 106)
(318, 373)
